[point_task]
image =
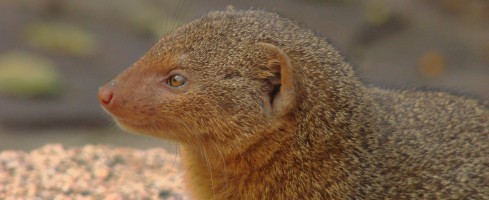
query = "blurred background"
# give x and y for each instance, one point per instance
(54, 54)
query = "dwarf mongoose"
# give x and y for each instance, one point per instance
(266, 109)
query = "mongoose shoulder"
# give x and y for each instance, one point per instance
(265, 109)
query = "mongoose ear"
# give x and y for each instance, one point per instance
(280, 82)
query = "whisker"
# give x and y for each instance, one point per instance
(210, 171)
(176, 156)
(224, 165)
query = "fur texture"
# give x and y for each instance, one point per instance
(270, 110)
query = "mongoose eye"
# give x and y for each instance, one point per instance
(177, 81)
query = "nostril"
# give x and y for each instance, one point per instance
(105, 95)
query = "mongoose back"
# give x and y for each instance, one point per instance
(266, 109)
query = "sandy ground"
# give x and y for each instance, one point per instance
(90, 172)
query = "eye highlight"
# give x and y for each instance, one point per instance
(176, 80)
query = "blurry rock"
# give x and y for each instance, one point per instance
(61, 38)
(432, 64)
(26, 75)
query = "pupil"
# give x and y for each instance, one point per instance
(177, 81)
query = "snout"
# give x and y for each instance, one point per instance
(106, 94)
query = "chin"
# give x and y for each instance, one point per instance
(146, 129)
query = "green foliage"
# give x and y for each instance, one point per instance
(149, 21)
(377, 13)
(26, 75)
(61, 38)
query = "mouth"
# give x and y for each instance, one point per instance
(106, 111)
(123, 123)
(143, 126)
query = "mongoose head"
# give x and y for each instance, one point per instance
(211, 80)
(231, 77)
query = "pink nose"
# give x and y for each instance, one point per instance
(105, 95)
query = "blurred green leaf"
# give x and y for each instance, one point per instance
(61, 38)
(164, 26)
(149, 21)
(377, 13)
(26, 75)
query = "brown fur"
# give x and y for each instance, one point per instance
(322, 135)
